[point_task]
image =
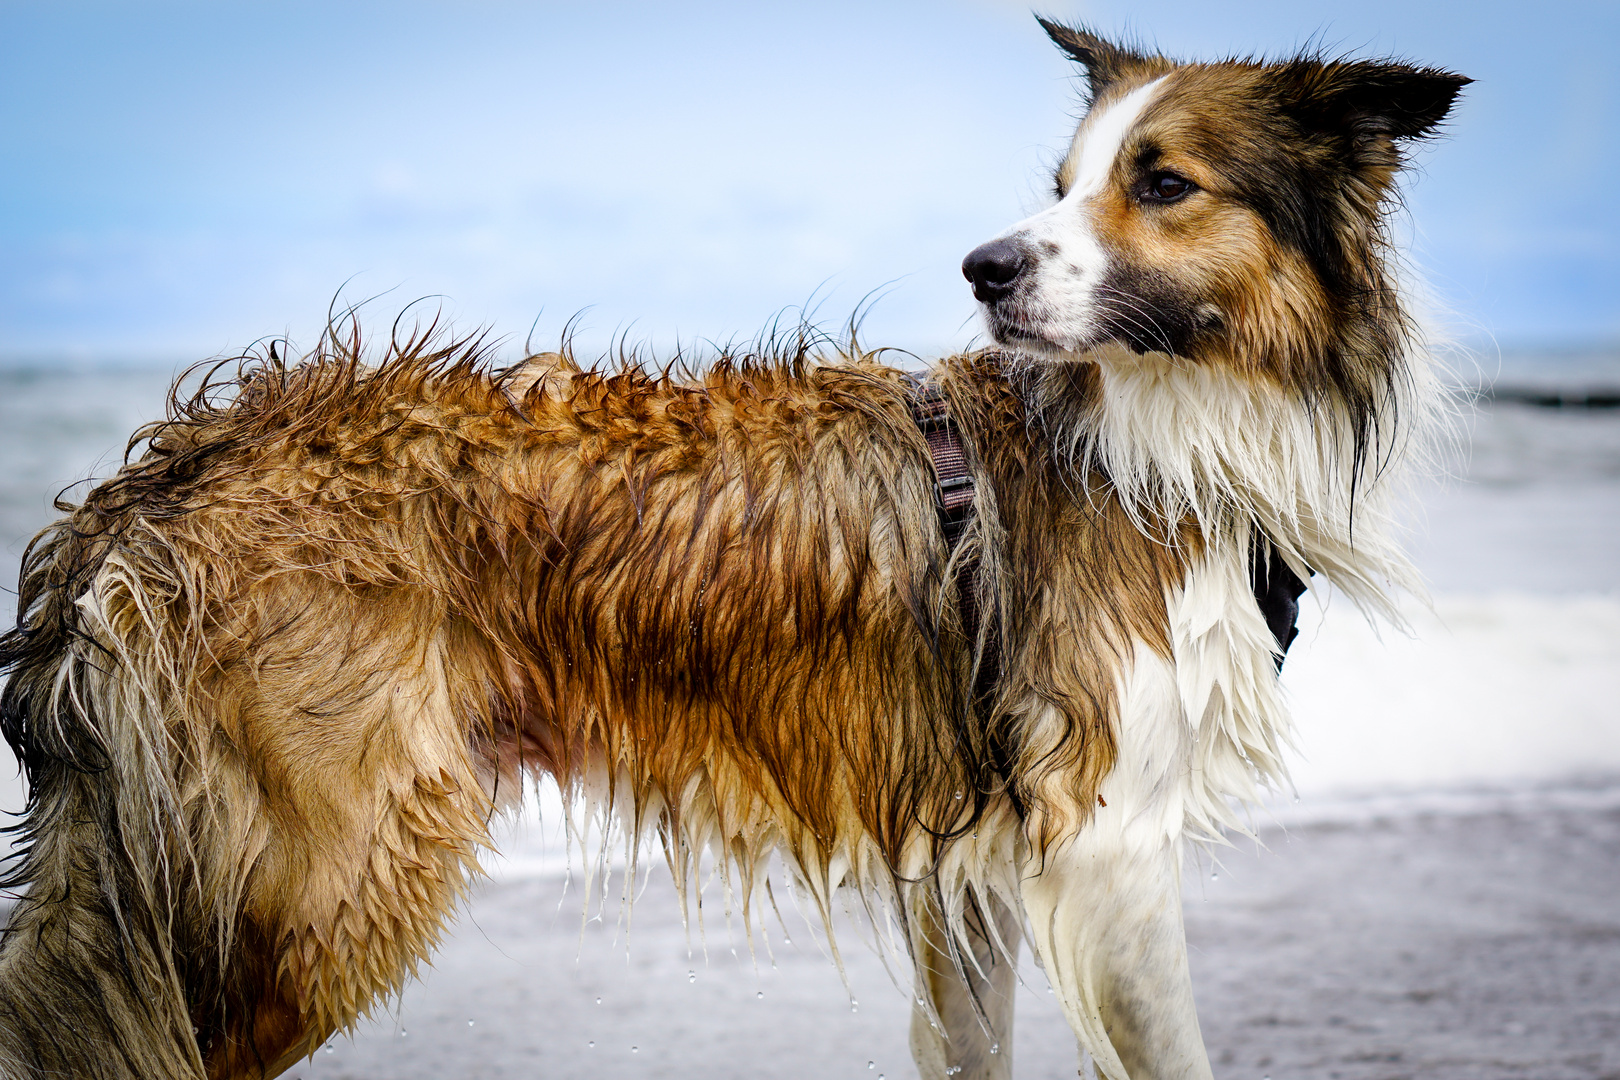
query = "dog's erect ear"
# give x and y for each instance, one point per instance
(1104, 61)
(1372, 99)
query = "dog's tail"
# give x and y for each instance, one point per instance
(92, 979)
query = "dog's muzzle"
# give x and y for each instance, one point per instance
(993, 269)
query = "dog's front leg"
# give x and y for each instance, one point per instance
(1104, 901)
(1105, 915)
(971, 987)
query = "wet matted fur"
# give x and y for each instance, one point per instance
(270, 683)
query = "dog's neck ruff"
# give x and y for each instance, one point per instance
(1180, 440)
(1277, 588)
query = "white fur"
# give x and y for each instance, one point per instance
(1097, 141)
(1226, 684)
(1179, 438)
(1061, 306)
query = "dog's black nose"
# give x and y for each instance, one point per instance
(992, 268)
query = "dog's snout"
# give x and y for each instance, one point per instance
(992, 269)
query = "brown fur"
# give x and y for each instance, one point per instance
(1280, 319)
(344, 607)
(271, 682)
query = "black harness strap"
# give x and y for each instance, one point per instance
(1277, 590)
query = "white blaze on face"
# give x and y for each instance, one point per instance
(1066, 262)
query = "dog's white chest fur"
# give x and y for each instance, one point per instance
(1206, 726)
(1203, 728)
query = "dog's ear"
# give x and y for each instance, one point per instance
(1371, 100)
(1103, 61)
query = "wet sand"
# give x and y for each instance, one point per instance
(1466, 936)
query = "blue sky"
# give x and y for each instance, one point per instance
(177, 180)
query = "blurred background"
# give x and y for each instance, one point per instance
(179, 181)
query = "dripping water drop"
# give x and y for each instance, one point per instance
(995, 1048)
(599, 1001)
(871, 1064)
(691, 976)
(591, 1044)
(760, 995)
(634, 1049)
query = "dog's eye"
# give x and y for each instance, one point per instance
(1166, 187)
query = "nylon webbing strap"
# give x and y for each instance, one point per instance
(1276, 587)
(953, 484)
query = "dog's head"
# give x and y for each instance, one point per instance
(1229, 211)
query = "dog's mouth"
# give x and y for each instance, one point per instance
(1005, 274)
(1010, 333)
(1015, 329)
(1119, 320)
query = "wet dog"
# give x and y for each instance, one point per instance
(271, 681)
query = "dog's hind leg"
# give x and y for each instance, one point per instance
(1104, 904)
(972, 987)
(247, 842)
(358, 770)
